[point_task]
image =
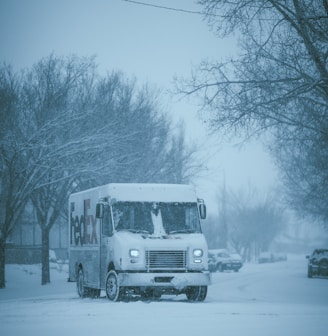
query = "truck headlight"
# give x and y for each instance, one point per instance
(198, 253)
(134, 253)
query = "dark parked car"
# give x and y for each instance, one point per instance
(223, 260)
(318, 263)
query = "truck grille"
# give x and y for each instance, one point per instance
(164, 260)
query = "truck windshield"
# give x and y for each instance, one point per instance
(152, 218)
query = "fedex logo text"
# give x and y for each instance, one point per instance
(83, 226)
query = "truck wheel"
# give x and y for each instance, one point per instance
(196, 293)
(309, 274)
(112, 286)
(81, 290)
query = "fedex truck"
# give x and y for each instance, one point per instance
(138, 240)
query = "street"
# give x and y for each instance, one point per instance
(261, 299)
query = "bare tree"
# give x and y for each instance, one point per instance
(182, 160)
(246, 222)
(278, 83)
(304, 167)
(71, 129)
(43, 146)
(151, 148)
(17, 169)
(253, 223)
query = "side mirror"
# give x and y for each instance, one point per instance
(99, 210)
(202, 210)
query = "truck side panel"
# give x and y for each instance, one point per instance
(84, 241)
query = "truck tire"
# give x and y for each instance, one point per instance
(196, 293)
(81, 290)
(112, 286)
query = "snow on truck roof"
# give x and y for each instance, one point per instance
(145, 192)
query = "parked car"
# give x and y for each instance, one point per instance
(265, 257)
(318, 263)
(279, 257)
(223, 260)
(268, 257)
(55, 263)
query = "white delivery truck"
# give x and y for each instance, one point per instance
(138, 240)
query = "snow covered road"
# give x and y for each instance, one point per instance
(262, 299)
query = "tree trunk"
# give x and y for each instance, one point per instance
(45, 276)
(2, 263)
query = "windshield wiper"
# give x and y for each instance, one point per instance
(137, 231)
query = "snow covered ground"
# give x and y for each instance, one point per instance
(262, 299)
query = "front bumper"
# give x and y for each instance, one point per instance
(171, 280)
(232, 266)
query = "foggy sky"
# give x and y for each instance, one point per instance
(148, 43)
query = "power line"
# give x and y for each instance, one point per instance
(204, 14)
(178, 9)
(164, 7)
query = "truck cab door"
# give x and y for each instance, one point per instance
(105, 246)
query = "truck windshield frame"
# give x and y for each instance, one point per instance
(146, 217)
